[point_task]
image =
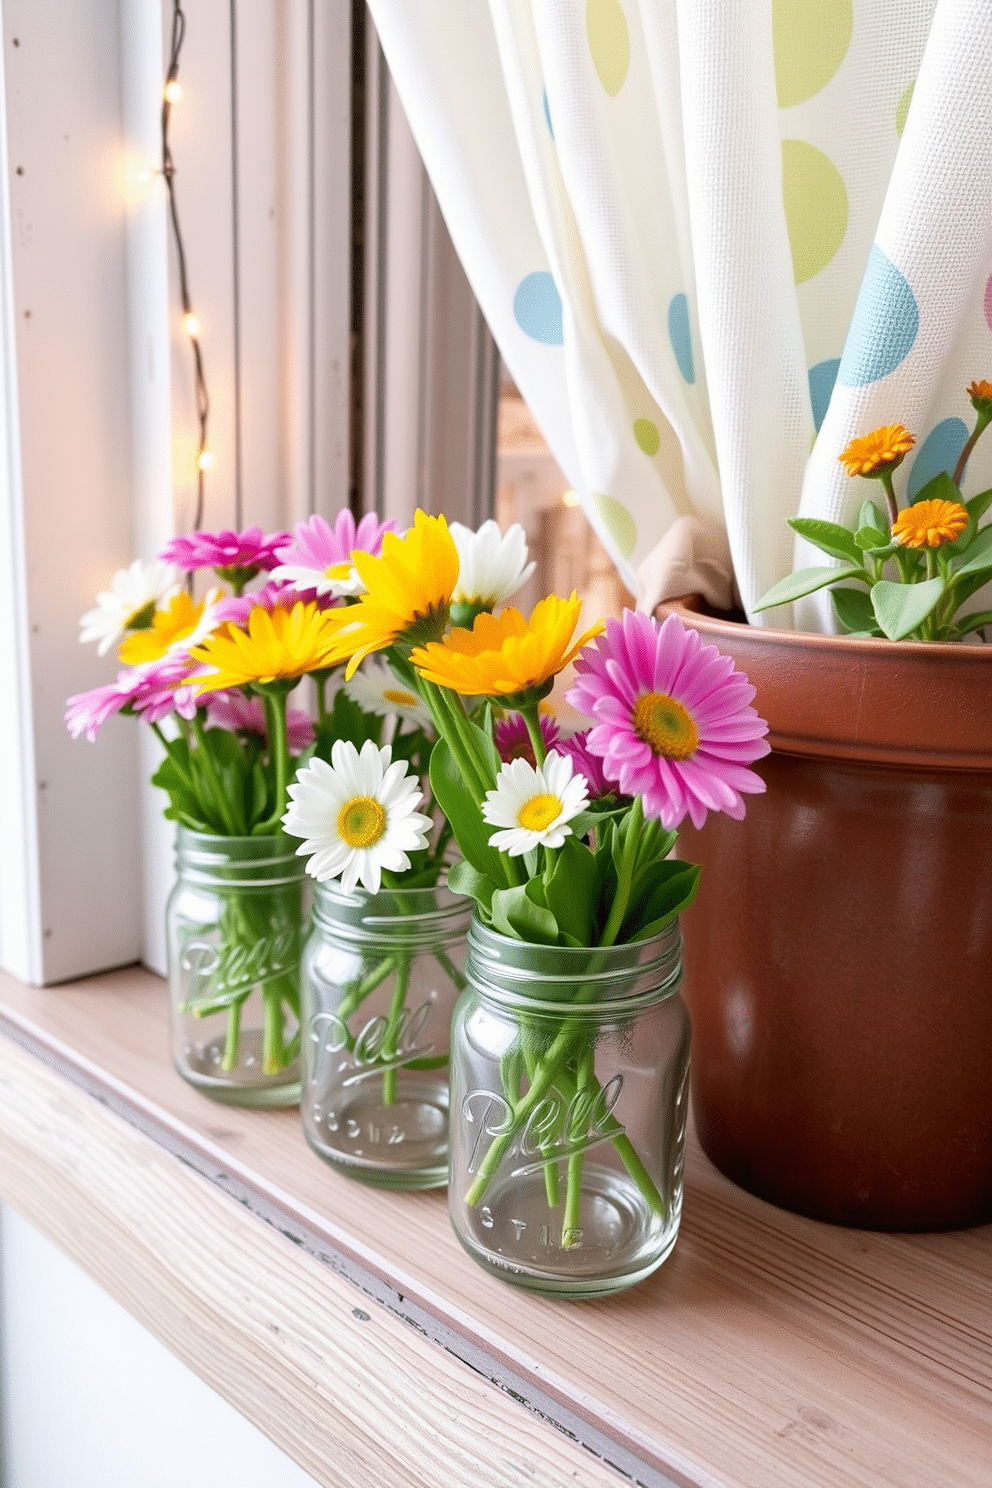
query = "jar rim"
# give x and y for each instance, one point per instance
(419, 914)
(616, 978)
(267, 860)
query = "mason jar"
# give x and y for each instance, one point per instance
(236, 922)
(569, 1094)
(381, 975)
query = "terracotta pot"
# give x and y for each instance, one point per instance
(838, 962)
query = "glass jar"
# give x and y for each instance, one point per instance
(381, 975)
(235, 924)
(569, 1093)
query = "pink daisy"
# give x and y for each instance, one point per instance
(584, 762)
(152, 692)
(672, 721)
(319, 556)
(238, 713)
(240, 553)
(513, 740)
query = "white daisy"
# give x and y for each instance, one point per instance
(492, 564)
(533, 804)
(132, 590)
(357, 815)
(376, 688)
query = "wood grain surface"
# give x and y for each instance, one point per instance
(769, 1350)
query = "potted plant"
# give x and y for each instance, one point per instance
(839, 961)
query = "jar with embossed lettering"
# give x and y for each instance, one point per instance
(381, 975)
(569, 1090)
(236, 923)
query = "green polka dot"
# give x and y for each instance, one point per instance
(902, 108)
(647, 436)
(618, 523)
(811, 38)
(815, 207)
(609, 42)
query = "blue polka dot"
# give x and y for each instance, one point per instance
(537, 308)
(678, 332)
(821, 384)
(939, 451)
(547, 114)
(884, 326)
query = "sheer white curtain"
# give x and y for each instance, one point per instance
(716, 239)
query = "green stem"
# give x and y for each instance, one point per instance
(981, 424)
(230, 1060)
(625, 874)
(531, 719)
(274, 700)
(885, 477)
(573, 1181)
(390, 1047)
(273, 1049)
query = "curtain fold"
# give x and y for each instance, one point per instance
(715, 240)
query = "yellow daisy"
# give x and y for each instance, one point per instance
(504, 655)
(281, 646)
(930, 524)
(878, 452)
(178, 625)
(407, 595)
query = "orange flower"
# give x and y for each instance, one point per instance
(980, 394)
(879, 452)
(930, 524)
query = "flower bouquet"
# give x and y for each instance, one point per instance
(566, 848)
(213, 679)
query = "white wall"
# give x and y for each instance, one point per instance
(89, 1399)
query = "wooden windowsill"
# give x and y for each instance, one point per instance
(349, 1325)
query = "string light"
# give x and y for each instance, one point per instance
(571, 498)
(171, 94)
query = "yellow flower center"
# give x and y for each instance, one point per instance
(539, 812)
(338, 570)
(665, 726)
(397, 695)
(361, 821)
(930, 524)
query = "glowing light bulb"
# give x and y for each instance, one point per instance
(145, 175)
(191, 325)
(205, 460)
(172, 91)
(571, 498)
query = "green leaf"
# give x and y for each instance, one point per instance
(461, 808)
(902, 608)
(869, 539)
(853, 609)
(975, 622)
(940, 488)
(487, 748)
(977, 506)
(978, 554)
(586, 820)
(830, 536)
(572, 889)
(464, 879)
(676, 887)
(870, 516)
(807, 581)
(515, 913)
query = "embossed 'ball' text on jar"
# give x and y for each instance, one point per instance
(569, 1091)
(235, 927)
(381, 975)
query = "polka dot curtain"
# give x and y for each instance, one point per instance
(716, 239)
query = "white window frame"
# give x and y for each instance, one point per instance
(97, 422)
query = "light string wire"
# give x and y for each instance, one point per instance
(171, 93)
